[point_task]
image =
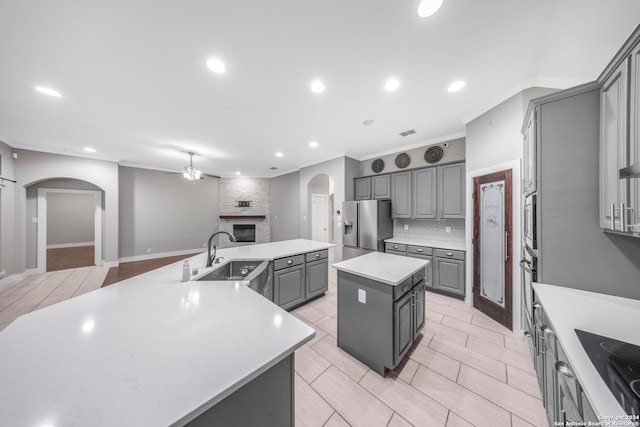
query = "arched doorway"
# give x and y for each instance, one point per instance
(320, 191)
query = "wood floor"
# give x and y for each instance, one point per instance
(65, 258)
(126, 270)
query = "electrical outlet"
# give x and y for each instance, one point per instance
(148, 250)
(406, 227)
(447, 229)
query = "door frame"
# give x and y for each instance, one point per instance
(41, 258)
(325, 198)
(495, 312)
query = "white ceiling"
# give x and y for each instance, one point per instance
(135, 85)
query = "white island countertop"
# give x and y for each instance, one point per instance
(610, 316)
(146, 351)
(382, 267)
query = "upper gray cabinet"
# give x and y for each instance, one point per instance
(373, 187)
(381, 186)
(424, 194)
(620, 140)
(401, 195)
(363, 188)
(451, 191)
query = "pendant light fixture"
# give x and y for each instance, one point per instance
(428, 7)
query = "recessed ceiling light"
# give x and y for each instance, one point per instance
(456, 86)
(313, 144)
(279, 154)
(48, 91)
(367, 122)
(216, 66)
(317, 87)
(391, 85)
(428, 7)
(238, 173)
(89, 149)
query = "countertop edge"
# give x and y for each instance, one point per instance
(429, 244)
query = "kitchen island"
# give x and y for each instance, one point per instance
(381, 307)
(152, 351)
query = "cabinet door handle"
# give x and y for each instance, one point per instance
(564, 369)
(546, 329)
(612, 213)
(527, 334)
(289, 262)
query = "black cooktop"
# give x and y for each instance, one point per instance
(618, 363)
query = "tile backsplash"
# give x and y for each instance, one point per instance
(429, 229)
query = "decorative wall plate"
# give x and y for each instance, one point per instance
(433, 154)
(377, 165)
(402, 160)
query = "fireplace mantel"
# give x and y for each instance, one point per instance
(243, 217)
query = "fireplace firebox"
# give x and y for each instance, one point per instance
(244, 232)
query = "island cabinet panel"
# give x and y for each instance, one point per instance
(317, 278)
(289, 286)
(401, 195)
(266, 407)
(424, 194)
(395, 312)
(363, 188)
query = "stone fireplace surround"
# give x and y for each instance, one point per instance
(231, 191)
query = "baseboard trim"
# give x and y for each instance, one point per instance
(110, 264)
(70, 245)
(17, 277)
(160, 255)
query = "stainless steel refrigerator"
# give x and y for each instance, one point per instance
(366, 224)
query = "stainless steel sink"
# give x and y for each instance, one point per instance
(257, 273)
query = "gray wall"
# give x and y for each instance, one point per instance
(70, 219)
(164, 212)
(31, 168)
(336, 170)
(351, 171)
(8, 229)
(454, 153)
(285, 207)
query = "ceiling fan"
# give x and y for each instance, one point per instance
(191, 173)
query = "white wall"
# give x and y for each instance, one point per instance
(164, 213)
(8, 231)
(32, 167)
(70, 219)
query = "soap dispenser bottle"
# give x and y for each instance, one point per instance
(186, 273)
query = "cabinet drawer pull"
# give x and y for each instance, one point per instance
(546, 329)
(405, 289)
(289, 262)
(449, 253)
(395, 246)
(419, 249)
(317, 255)
(527, 334)
(564, 369)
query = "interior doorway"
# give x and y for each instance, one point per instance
(320, 208)
(492, 246)
(69, 229)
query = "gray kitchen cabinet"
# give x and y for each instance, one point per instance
(363, 188)
(381, 186)
(529, 148)
(317, 276)
(449, 272)
(424, 193)
(289, 286)
(396, 313)
(424, 253)
(451, 191)
(614, 98)
(401, 195)
(634, 135)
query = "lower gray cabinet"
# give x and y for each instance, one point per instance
(419, 307)
(317, 278)
(289, 286)
(449, 272)
(403, 326)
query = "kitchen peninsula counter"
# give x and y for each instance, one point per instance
(147, 351)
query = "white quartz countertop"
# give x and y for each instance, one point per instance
(382, 267)
(615, 317)
(429, 243)
(146, 351)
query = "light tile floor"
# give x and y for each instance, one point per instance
(466, 370)
(40, 290)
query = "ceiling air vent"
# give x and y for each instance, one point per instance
(273, 168)
(407, 132)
